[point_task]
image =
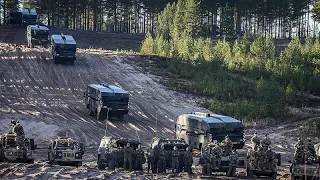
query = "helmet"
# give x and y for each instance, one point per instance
(227, 137)
(128, 144)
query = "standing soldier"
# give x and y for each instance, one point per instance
(127, 156)
(233, 162)
(227, 146)
(255, 141)
(270, 156)
(265, 143)
(162, 166)
(151, 159)
(13, 123)
(18, 130)
(206, 158)
(188, 161)
(175, 160)
(299, 151)
(140, 158)
(216, 156)
(310, 148)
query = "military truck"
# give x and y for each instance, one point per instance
(195, 127)
(63, 48)
(309, 169)
(111, 154)
(9, 152)
(168, 146)
(258, 166)
(192, 129)
(224, 164)
(29, 17)
(14, 17)
(65, 151)
(104, 100)
(37, 35)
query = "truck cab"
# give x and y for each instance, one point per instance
(63, 48)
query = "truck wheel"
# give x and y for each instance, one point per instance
(249, 171)
(78, 163)
(101, 166)
(274, 175)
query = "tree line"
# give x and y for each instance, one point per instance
(280, 19)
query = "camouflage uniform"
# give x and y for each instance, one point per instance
(20, 139)
(299, 151)
(13, 123)
(151, 160)
(233, 162)
(216, 156)
(255, 141)
(227, 146)
(175, 160)
(270, 156)
(265, 143)
(206, 158)
(127, 157)
(140, 159)
(161, 164)
(188, 161)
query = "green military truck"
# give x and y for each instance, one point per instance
(111, 153)
(106, 100)
(10, 153)
(63, 48)
(65, 151)
(37, 35)
(195, 127)
(168, 147)
(29, 17)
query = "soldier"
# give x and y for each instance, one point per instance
(188, 161)
(269, 158)
(18, 130)
(310, 148)
(299, 151)
(255, 141)
(206, 161)
(233, 162)
(216, 153)
(127, 156)
(140, 158)
(265, 143)
(151, 159)
(227, 146)
(175, 160)
(13, 123)
(162, 167)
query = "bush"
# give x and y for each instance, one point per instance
(148, 45)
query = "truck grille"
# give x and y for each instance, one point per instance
(68, 155)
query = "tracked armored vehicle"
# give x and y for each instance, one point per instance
(258, 166)
(169, 144)
(111, 153)
(106, 100)
(9, 152)
(29, 17)
(63, 48)
(37, 35)
(65, 151)
(224, 164)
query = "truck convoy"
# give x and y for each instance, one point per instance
(63, 48)
(105, 101)
(195, 127)
(37, 35)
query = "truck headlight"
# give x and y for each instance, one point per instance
(60, 154)
(77, 155)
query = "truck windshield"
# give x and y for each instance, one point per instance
(65, 47)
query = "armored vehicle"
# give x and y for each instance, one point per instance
(192, 129)
(169, 144)
(106, 100)
(9, 151)
(111, 153)
(225, 160)
(65, 151)
(14, 17)
(63, 48)
(29, 17)
(37, 35)
(262, 162)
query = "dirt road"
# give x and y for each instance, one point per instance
(48, 100)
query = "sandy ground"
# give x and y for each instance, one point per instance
(48, 100)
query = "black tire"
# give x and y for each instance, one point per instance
(101, 165)
(32, 144)
(279, 159)
(78, 163)
(249, 171)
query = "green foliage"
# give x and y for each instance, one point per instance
(148, 45)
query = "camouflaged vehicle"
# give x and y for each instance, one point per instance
(65, 151)
(111, 154)
(106, 100)
(10, 153)
(37, 35)
(258, 166)
(63, 48)
(224, 164)
(307, 170)
(168, 146)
